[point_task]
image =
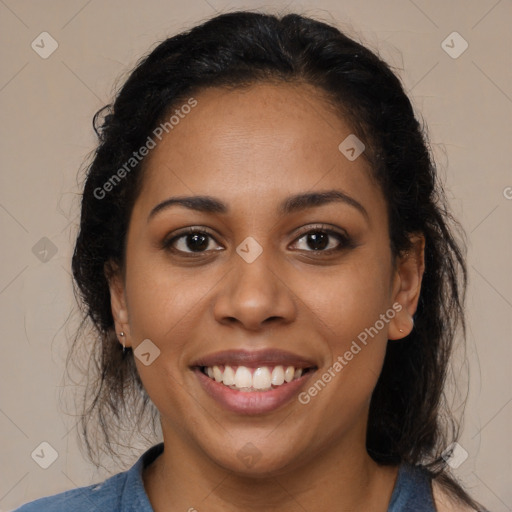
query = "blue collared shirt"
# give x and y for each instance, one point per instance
(125, 492)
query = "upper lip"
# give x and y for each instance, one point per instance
(254, 359)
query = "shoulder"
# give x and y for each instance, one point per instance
(101, 496)
(121, 492)
(417, 489)
(444, 502)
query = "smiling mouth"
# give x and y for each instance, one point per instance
(246, 379)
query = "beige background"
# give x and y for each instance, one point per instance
(47, 107)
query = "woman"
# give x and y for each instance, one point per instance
(266, 256)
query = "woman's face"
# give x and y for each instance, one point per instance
(253, 280)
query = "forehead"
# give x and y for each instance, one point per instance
(254, 142)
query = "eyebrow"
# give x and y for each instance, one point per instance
(299, 202)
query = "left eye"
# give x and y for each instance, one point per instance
(320, 240)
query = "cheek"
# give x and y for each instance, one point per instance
(164, 306)
(349, 299)
(163, 300)
(346, 308)
(351, 313)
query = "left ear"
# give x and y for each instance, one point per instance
(409, 270)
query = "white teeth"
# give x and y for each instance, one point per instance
(278, 376)
(289, 373)
(247, 379)
(261, 378)
(229, 376)
(217, 374)
(243, 377)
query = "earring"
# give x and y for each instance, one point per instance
(122, 336)
(412, 321)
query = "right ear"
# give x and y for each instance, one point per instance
(115, 280)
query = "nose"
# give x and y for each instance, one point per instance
(254, 295)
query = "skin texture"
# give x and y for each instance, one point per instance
(252, 148)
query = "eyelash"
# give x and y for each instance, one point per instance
(344, 240)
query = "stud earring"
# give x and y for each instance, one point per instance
(412, 322)
(122, 336)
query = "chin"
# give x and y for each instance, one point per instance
(252, 462)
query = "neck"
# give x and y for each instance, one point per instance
(341, 477)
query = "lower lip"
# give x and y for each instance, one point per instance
(252, 402)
